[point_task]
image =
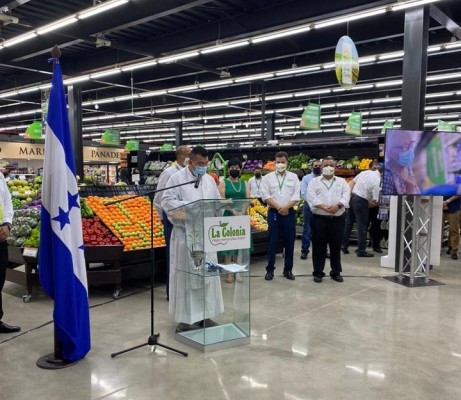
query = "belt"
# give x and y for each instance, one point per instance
(328, 216)
(275, 210)
(360, 197)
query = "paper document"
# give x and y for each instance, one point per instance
(233, 267)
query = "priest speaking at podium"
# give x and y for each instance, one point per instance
(186, 291)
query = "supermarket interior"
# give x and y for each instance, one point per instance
(259, 89)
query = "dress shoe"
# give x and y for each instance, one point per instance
(304, 255)
(206, 323)
(345, 250)
(289, 275)
(377, 250)
(183, 327)
(317, 279)
(337, 278)
(454, 256)
(365, 254)
(269, 276)
(5, 328)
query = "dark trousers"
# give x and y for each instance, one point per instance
(374, 227)
(280, 227)
(327, 231)
(358, 212)
(167, 229)
(306, 237)
(3, 266)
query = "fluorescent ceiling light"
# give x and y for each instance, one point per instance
(433, 49)
(294, 71)
(397, 54)
(329, 66)
(280, 34)
(353, 103)
(153, 93)
(105, 73)
(350, 17)
(363, 60)
(432, 95)
(89, 12)
(177, 57)
(396, 82)
(408, 4)
(56, 25)
(254, 77)
(387, 100)
(216, 83)
(452, 45)
(443, 77)
(82, 78)
(280, 96)
(226, 46)
(19, 39)
(139, 65)
(182, 89)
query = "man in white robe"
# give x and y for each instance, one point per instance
(194, 298)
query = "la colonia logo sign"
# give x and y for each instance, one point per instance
(222, 234)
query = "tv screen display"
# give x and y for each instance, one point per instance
(422, 163)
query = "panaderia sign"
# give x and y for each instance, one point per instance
(36, 151)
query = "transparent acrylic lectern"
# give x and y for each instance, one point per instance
(217, 241)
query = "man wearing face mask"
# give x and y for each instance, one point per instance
(306, 237)
(255, 184)
(181, 154)
(280, 190)
(399, 177)
(187, 298)
(328, 196)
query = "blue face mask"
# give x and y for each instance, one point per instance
(199, 170)
(406, 158)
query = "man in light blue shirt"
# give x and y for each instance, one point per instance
(306, 237)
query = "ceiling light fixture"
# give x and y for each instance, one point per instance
(107, 5)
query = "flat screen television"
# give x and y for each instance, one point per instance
(422, 163)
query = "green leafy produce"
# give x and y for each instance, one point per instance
(85, 209)
(297, 162)
(34, 239)
(16, 203)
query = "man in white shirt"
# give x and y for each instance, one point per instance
(181, 154)
(328, 196)
(280, 190)
(6, 217)
(255, 184)
(365, 189)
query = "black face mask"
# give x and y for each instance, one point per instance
(234, 173)
(258, 175)
(317, 170)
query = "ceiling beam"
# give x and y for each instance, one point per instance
(444, 20)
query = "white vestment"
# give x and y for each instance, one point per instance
(193, 297)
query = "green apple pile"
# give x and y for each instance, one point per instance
(24, 191)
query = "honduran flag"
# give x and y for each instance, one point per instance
(61, 257)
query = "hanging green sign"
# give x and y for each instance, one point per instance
(111, 136)
(389, 124)
(166, 147)
(354, 124)
(347, 63)
(132, 145)
(444, 126)
(34, 130)
(311, 117)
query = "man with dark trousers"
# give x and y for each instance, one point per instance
(280, 190)
(6, 217)
(328, 196)
(365, 189)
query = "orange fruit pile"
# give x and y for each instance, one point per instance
(129, 220)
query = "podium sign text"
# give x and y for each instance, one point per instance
(227, 233)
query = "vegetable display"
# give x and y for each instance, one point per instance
(96, 234)
(24, 222)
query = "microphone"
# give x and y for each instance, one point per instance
(197, 182)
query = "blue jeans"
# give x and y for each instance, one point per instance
(167, 229)
(306, 237)
(280, 227)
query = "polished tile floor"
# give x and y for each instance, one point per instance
(366, 338)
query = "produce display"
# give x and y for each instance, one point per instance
(96, 234)
(258, 216)
(269, 166)
(85, 209)
(129, 221)
(24, 221)
(251, 165)
(298, 162)
(24, 192)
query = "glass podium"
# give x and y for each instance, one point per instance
(217, 238)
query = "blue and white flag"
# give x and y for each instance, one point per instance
(61, 257)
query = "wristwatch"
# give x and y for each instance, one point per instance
(340, 205)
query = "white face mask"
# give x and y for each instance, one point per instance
(328, 171)
(280, 167)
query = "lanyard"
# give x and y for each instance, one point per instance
(281, 183)
(256, 181)
(328, 186)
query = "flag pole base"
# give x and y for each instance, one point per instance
(50, 362)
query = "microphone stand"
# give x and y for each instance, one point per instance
(153, 338)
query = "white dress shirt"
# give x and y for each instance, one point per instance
(162, 181)
(282, 188)
(5, 198)
(367, 185)
(330, 192)
(255, 187)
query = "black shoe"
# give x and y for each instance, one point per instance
(206, 323)
(269, 276)
(377, 250)
(317, 279)
(304, 255)
(337, 278)
(365, 254)
(183, 327)
(454, 256)
(289, 275)
(345, 250)
(5, 328)
(327, 255)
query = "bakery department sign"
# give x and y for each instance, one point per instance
(227, 233)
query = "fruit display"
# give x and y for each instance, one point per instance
(96, 234)
(34, 239)
(365, 163)
(24, 221)
(129, 220)
(85, 209)
(24, 192)
(251, 165)
(258, 216)
(269, 166)
(298, 162)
